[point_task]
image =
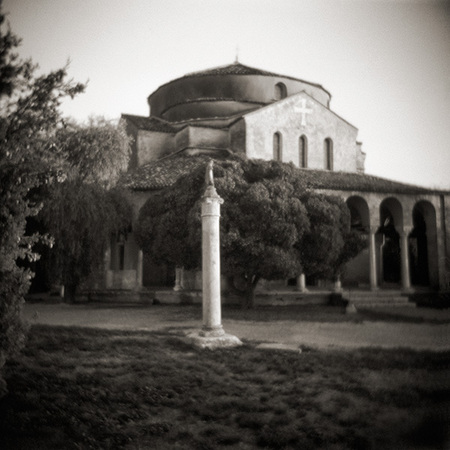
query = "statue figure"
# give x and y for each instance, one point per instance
(209, 175)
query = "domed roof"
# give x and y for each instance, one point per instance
(224, 91)
(232, 69)
(240, 69)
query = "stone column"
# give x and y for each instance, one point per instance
(107, 267)
(139, 269)
(212, 334)
(212, 318)
(373, 259)
(380, 255)
(179, 273)
(337, 284)
(406, 280)
(301, 283)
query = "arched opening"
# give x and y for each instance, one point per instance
(423, 246)
(328, 146)
(280, 91)
(157, 275)
(391, 216)
(277, 147)
(357, 271)
(303, 152)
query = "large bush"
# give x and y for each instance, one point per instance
(272, 227)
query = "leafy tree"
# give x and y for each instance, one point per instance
(81, 218)
(84, 211)
(29, 116)
(95, 152)
(270, 223)
(331, 243)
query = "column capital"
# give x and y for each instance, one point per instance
(211, 195)
(373, 229)
(405, 230)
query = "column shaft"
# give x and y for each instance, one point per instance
(301, 283)
(139, 269)
(373, 261)
(406, 281)
(212, 320)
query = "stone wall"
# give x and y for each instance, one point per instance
(202, 137)
(152, 145)
(318, 124)
(237, 136)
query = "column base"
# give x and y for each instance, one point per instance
(224, 340)
(302, 290)
(407, 290)
(212, 332)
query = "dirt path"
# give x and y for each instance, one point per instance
(421, 336)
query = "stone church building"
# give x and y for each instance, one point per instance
(264, 115)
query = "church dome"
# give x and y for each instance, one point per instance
(225, 91)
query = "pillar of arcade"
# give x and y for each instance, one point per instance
(373, 259)
(212, 334)
(406, 279)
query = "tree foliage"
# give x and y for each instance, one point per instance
(86, 209)
(81, 219)
(272, 227)
(95, 152)
(29, 116)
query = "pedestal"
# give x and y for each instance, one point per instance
(301, 283)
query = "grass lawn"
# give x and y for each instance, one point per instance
(89, 388)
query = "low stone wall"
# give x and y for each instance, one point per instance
(269, 298)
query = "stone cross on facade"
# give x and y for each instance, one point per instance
(303, 111)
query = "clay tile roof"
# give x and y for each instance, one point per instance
(347, 181)
(232, 69)
(150, 123)
(162, 173)
(239, 69)
(166, 171)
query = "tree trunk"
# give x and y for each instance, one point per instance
(249, 299)
(248, 302)
(71, 292)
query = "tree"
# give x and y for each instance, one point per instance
(29, 116)
(331, 243)
(85, 210)
(270, 223)
(95, 152)
(81, 218)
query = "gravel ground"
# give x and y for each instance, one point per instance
(325, 335)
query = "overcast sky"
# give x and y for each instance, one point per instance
(386, 63)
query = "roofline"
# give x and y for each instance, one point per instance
(293, 95)
(414, 189)
(163, 121)
(211, 99)
(268, 74)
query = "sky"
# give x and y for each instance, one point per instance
(385, 62)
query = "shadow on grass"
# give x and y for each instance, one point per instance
(91, 388)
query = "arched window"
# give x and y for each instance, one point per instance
(280, 91)
(303, 151)
(277, 147)
(328, 145)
